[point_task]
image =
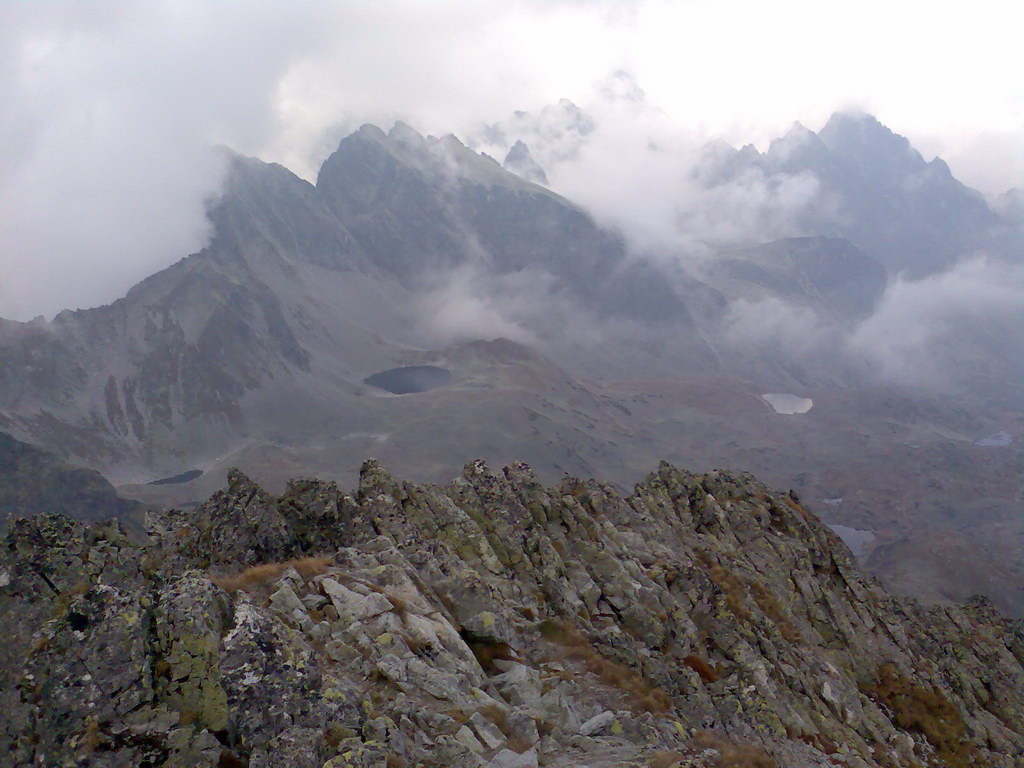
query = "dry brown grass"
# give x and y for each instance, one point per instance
(335, 733)
(796, 506)
(703, 668)
(64, 599)
(397, 605)
(731, 754)
(664, 759)
(926, 711)
(518, 744)
(733, 588)
(460, 716)
(92, 737)
(644, 696)
(259, 575)
(771, 608)
(497, 715)
(417, 646)
(188, 716)
(317, 614)
(487, 651)
(545, 727)
(162, 669)
(820, 742)
(40, 644)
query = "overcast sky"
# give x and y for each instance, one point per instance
(109, 109)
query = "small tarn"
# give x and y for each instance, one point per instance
(410, 379)
(184, 477)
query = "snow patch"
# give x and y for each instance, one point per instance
(788, 404)
(998, 440)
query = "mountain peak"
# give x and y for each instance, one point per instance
(861, 135)
(798, 147)
(405, 134)
(520, 162)
(370, 131)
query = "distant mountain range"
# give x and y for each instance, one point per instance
(551, 341)
(911, 215)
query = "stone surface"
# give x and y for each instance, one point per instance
(492, 622)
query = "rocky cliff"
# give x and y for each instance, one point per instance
(704, 620)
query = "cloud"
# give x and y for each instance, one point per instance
(109, 109)
(110, 112)
(947, 330)
(469, 303)
(668, 188)
(792, 331)
(114, 109)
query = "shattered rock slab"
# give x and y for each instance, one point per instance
(703, 620)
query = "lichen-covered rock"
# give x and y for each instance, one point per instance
(495, 622)
(295, 747)
(191, 616)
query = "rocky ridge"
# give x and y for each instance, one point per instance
(704, 620)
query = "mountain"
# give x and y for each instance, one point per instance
(520, 162)
(909, 213)
(1010, 205)
(418, 207)
(834, 279)
(855, 179)
(34, 482)
(309, 289)
(527, 330)
(704, 620)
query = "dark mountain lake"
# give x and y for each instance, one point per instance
(184, 477)
(409, 379)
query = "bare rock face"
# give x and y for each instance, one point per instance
(704, 620)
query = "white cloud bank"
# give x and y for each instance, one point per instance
(941, 331)
(109, 110)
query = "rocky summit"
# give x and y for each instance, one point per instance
(705, 620)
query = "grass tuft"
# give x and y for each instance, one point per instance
(397, 605)
(707, 673)
(924, 710)
(644, 696)
(665, 759)
(771, 608)
(259, 575)
(731, 754)
(733, 588)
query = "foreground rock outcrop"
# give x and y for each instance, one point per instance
(705, 620)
